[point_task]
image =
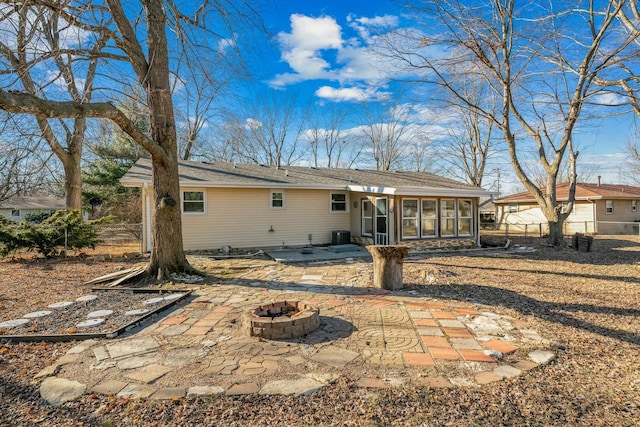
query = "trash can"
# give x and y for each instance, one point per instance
(340, 237)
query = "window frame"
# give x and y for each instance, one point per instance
(15, 212)
(332, 202)
(436, 231)
(458, 217)
(454, 217)
(204, 201)
(634, 206)
(363, 217)
(608, 207)
(271, 199)
(512, 208)
(416, 218)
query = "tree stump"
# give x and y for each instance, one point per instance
(387, 265)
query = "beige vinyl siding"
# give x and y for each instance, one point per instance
(242, 218)
(621, 214)
(580, 221)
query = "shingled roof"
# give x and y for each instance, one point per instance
(33, 202)
(584, 191)
(223, 174)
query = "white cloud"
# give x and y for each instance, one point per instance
(252, 124)
(609, 99)
(314, 42)
(350, 94)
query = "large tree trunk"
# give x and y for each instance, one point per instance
(556, 237)
(167, 255)
(73, 183)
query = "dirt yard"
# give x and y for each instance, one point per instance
(587, 303)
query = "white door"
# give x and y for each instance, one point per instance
(382, 213)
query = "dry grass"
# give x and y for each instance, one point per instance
(587, 303)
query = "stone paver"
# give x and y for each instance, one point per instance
(334, 356)
(412, 339)
(56, 391)
(300, 386)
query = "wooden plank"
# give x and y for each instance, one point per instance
(131, 275)
(110, 276)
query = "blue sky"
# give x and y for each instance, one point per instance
(318, 51)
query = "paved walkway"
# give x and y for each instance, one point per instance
(371, 337)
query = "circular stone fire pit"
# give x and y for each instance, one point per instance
(282, 319)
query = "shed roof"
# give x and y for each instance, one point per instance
(584, 191)
(33, 202)
(239, 175)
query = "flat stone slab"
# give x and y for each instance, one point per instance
(451, 323)
(61, 304)
(337, 249)
(182, 356)
(110, 387)
(136, 391)
(204, 390)
(298, 386)
(14, 323)
(507, 371)
(246, 388)
(542, 356)
(37, 314)
(87, 298)
(487, 377)
(91, 323)
(149, 373)
(100, 313)
(152, 301)
(131, 347)
(170, 393)
(135, 362)
(334, 356)
(56, 391)
(81, 347)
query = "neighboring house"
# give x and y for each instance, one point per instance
(250, 205)
(20, 207)
(598, 208)
(487, 214)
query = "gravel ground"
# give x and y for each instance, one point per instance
(589, 302)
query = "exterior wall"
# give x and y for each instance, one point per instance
(24, 213)
(621, 213)
(243, 218)
(588, 217)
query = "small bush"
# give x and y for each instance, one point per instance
(49, 237)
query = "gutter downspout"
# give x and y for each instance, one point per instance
(593, 215)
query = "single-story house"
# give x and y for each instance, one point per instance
(19, 208)
(251, 205)
(598, 208)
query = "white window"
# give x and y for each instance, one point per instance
(448, 215)
(429, 217)
(608, 207)
(339, 202)
(277, 199)
(513, 208)
(634, 205)
(410, 219)
(465, 215)
(367, 218)
(193, 202)
(15, 212)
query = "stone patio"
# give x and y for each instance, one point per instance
(371, 337)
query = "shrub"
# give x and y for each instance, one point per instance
(49, 236)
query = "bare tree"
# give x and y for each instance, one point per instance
(36, 38)
(143, 53)
(330, 145)
(471, 140)
(542, 68)
(272, 131)
(386, 129)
